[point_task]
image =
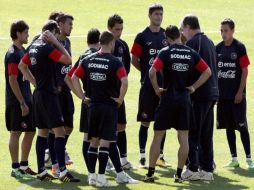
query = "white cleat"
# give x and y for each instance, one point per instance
(206, 176)
(92, 178)
(128, 166)
(123, 177)
(189, 175)
(102, 181)
(110, 167)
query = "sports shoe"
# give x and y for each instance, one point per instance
(232, 164)
(68, 178)
(102, 181)
(128, 166)
(123, 177)
(68, 160)
(190, 175)
(147, 179)
(177, 179)
(142, 163)
(55, 172)
(163, 163)
(29, 171)
(92, 178)
(45, 176)
(110, 167)
(250, 164)
(206, 176)
(20, 174)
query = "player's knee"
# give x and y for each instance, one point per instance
(15, 134)
(68, 130)
(43, 132)
(104, 143)
(121, 127)
(145, 124)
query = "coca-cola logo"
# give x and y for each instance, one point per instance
(227, 74)
(180, 67)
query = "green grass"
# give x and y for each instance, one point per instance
(94, 13)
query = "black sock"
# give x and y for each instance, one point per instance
(179, 172)
(66, 139)
(142, 138)
(232, 142)
(92, 158)
(114, 157)
(60, 152)
(162, 144)
(24, 163)
(245, 137)
(85, 148)
(15, 166)
(122, 144)
(51, 146)
(103, 159)
(150, 172)
(41, 145)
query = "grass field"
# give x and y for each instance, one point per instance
(94, 13)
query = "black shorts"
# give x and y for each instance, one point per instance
(102, 122)
(174, 113)
(148, 103)
(122, 114)
(83, 127)
(15, 121)
(231, 115)
(67, 107)
(47, 110)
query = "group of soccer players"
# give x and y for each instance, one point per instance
(183, 76)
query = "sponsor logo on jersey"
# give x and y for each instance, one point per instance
(180, 67)
(227, 74)
(230, 65)
(98, 66)
(180, 56)
(65, 69)
(98, 76)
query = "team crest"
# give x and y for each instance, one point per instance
(233, 56)
(120, 50)
(165, 42)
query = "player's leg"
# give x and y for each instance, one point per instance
(143, 134)
(53, 160)
(231, 138)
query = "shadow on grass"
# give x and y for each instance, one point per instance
(243, 172)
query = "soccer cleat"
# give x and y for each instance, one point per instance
(29, 171)
(250, 164)
(45, 176)
(142, 163)
(232, 164)
(102, 181)
(20, 174)
(147, 179)
(190, 175)
(162, 163)
(206, 176)
(109, 167)
(68, 178)
(177, 179)
(92, 178)
(128, 166)
(68, 160)
(123, 177)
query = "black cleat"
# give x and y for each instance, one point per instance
(30, 171)
(45, 177)
(69, 178)
(147, 179)
(177, 179)
(142, 163)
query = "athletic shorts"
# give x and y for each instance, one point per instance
(122, 114)
(47, 110)
(83, 127)
(231, 115)
(16, 122)
(67, 108)
(103, 122)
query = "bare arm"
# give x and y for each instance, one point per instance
(27, 73)
(77, 86)
(239, 95)
(135, 62)
(153, 79)
(123, 90)
(69, 83)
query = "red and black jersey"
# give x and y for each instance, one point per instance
(178, 64)
(61, 70)
(101, 71)
(42, 57)
(231, 59)
(146, 46)
(11, 61)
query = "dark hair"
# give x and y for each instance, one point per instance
(51, 25)
(93, 36)
(114, 19)
(229, 22)
(155, 7)
(18, 26)
(62, 17)
(172, 32)
(54, 15)
(106, 37)
(192, 21)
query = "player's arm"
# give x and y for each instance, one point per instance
(122, 76)
(127, 59)
(62, 56)
(244, 63)
(136, 52)
(23, 67)
(156, 67)
(13, 74)
(206, 73)
(68, 80)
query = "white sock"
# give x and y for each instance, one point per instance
(124, 161)
(23, 167)
(234, 158)
(143, 155)
(101, 176)
(161, 156)
(63, 173)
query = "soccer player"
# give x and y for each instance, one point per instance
(18, 102)
(121, 51)
(201, 136)
(177, 63)
(233, 65)
(42, 55)
(93, 46)
(144, 50)
(101, 71)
